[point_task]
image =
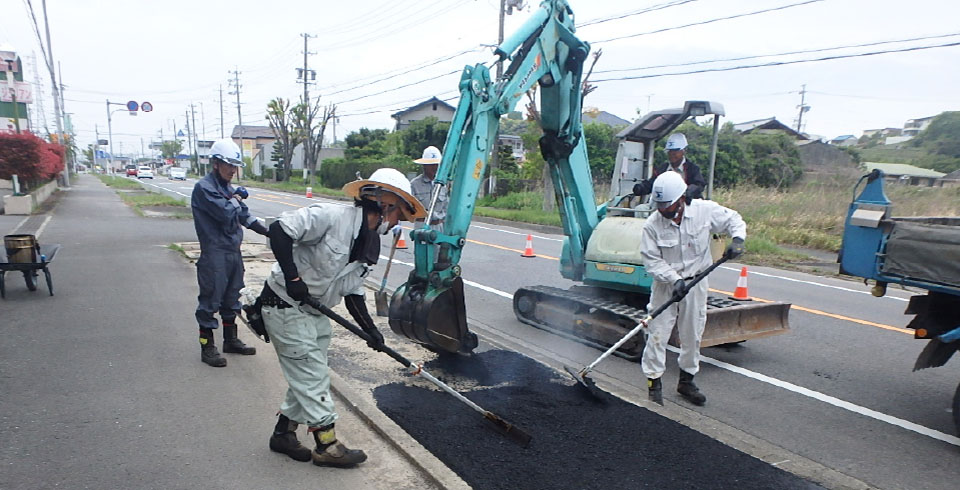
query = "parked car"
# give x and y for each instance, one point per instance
(144, 172)
(177, 173)
(131, 170)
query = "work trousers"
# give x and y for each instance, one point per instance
(220, 277)
(301, 341)
(689, 316)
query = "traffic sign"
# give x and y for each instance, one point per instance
(180, 134)
(102, 142)
(146, 107)
(132, 106)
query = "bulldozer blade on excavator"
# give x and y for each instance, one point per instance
(433, 316)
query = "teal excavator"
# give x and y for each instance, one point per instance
(601, 244)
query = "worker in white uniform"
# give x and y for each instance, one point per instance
(324, 251)
(676, 247)
(423, 185)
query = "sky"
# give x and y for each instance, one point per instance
(177, 53)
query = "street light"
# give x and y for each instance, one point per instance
(110, 126)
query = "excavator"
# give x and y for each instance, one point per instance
(600, 245)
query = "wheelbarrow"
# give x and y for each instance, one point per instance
(29, 267)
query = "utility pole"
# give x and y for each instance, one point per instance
(58, 110)
(236, 91)
(221, 112)
(803, 107)
(495, 158)
(305, 74)
(186, 117)
(96, 147)
(193, 121)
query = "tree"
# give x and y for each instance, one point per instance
(601, 148)
(423, 133)
(775, 161)
(312, 124)
(88, 154)
(941, 141)
(282, 119)
(30, 158)
(366, 144)
(170, 149)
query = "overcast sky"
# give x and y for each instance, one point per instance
(178, 52)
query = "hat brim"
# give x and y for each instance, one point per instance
(427, 161)
(352, 189)
(229, 161)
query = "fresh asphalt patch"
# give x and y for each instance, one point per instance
(578, 442)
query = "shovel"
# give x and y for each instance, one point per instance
(383, 301)
(581, 375)
(512, 432)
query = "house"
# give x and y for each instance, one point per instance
(253, 139)
(592, 114)
(952, 179)
(844, 140)
(515, 143)
(901, 173)
(821, 158)
(432, 107)
(262, 159)
(769, 125)
(913, 127)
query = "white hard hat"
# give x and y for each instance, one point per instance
(677, 141)
(227, 151)
(668, 188)
(430, 155)
(392, 180)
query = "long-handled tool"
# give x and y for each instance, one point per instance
(581, 375)
(509, 430)
(383, 301)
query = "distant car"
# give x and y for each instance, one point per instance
(144, 172)
(177, 173)
(131, 170)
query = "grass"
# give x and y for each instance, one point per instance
(119, 182)
(524, 215)
(175, 208)
(178, 249)
(295, 184)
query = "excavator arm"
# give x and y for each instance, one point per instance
(429, 307)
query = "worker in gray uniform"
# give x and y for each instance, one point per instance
(423, 185)
(218, 216)
(324, 251)
(675, 245)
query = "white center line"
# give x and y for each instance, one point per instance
(811, 283)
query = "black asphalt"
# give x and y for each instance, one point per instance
(577, 442)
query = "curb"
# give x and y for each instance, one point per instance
(419, 456)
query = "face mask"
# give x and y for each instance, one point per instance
(669, 214)
(383, 226)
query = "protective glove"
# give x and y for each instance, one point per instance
(396, 230)
(735, 249)
(679, 290)
(376, 338)
(643, 188)
(358, 310)
(241, 191)
(297, 290)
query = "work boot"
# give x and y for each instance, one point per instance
(688, 390)
(284, 440)
(655, 391)
(232, 344)
(208, 350)
(331, 452)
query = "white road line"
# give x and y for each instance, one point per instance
(538, 237)
(43, 225)
(164, 188)
(816, 395)
(811, 283)
(15, 228)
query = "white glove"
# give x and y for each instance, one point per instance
(396, 230)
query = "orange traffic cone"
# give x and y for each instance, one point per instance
(528, 252)
(740, 294)
(309, 192)
(401, 243)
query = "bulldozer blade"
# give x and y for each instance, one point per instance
(585, 382)
(433, 316)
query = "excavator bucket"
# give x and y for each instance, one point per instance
(435, 317)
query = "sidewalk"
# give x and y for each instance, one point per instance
(103, 387)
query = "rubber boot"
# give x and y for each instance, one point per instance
(688, 390)
(232, 344)
(655, 391)
(331, 452)
(284, 440)
(208, 350)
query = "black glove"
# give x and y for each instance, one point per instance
(298, 290)
(358, 310)
(735, 249)
(643, 188)
(679, 290)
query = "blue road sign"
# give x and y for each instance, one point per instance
(132, 106)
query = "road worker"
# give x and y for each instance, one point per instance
(324, 251)
(677, 162)
(675, 246)
(423, 184)
(219, 214)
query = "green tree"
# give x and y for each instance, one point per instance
(282, 118)
(941, 141)
(774, 159)
(88, 154)
(366, 144)
(170, 149)
(423, 133)
(601, 148)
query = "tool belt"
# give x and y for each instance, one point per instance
(270, 298)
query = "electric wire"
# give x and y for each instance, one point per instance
(652, 8)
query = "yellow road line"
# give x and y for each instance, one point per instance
(276, 201)
(830, 315)
(499, 247)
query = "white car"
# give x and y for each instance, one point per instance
(177, 173)
(144, 172)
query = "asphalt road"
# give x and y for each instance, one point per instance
(839, 389)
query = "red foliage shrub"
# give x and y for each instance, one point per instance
(29, 158)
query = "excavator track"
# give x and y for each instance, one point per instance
(600, 322)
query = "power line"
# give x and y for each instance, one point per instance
(631, 13)
(779, 63)
(786, 53)
(709, 21)
(436, 62)
(400, 87)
